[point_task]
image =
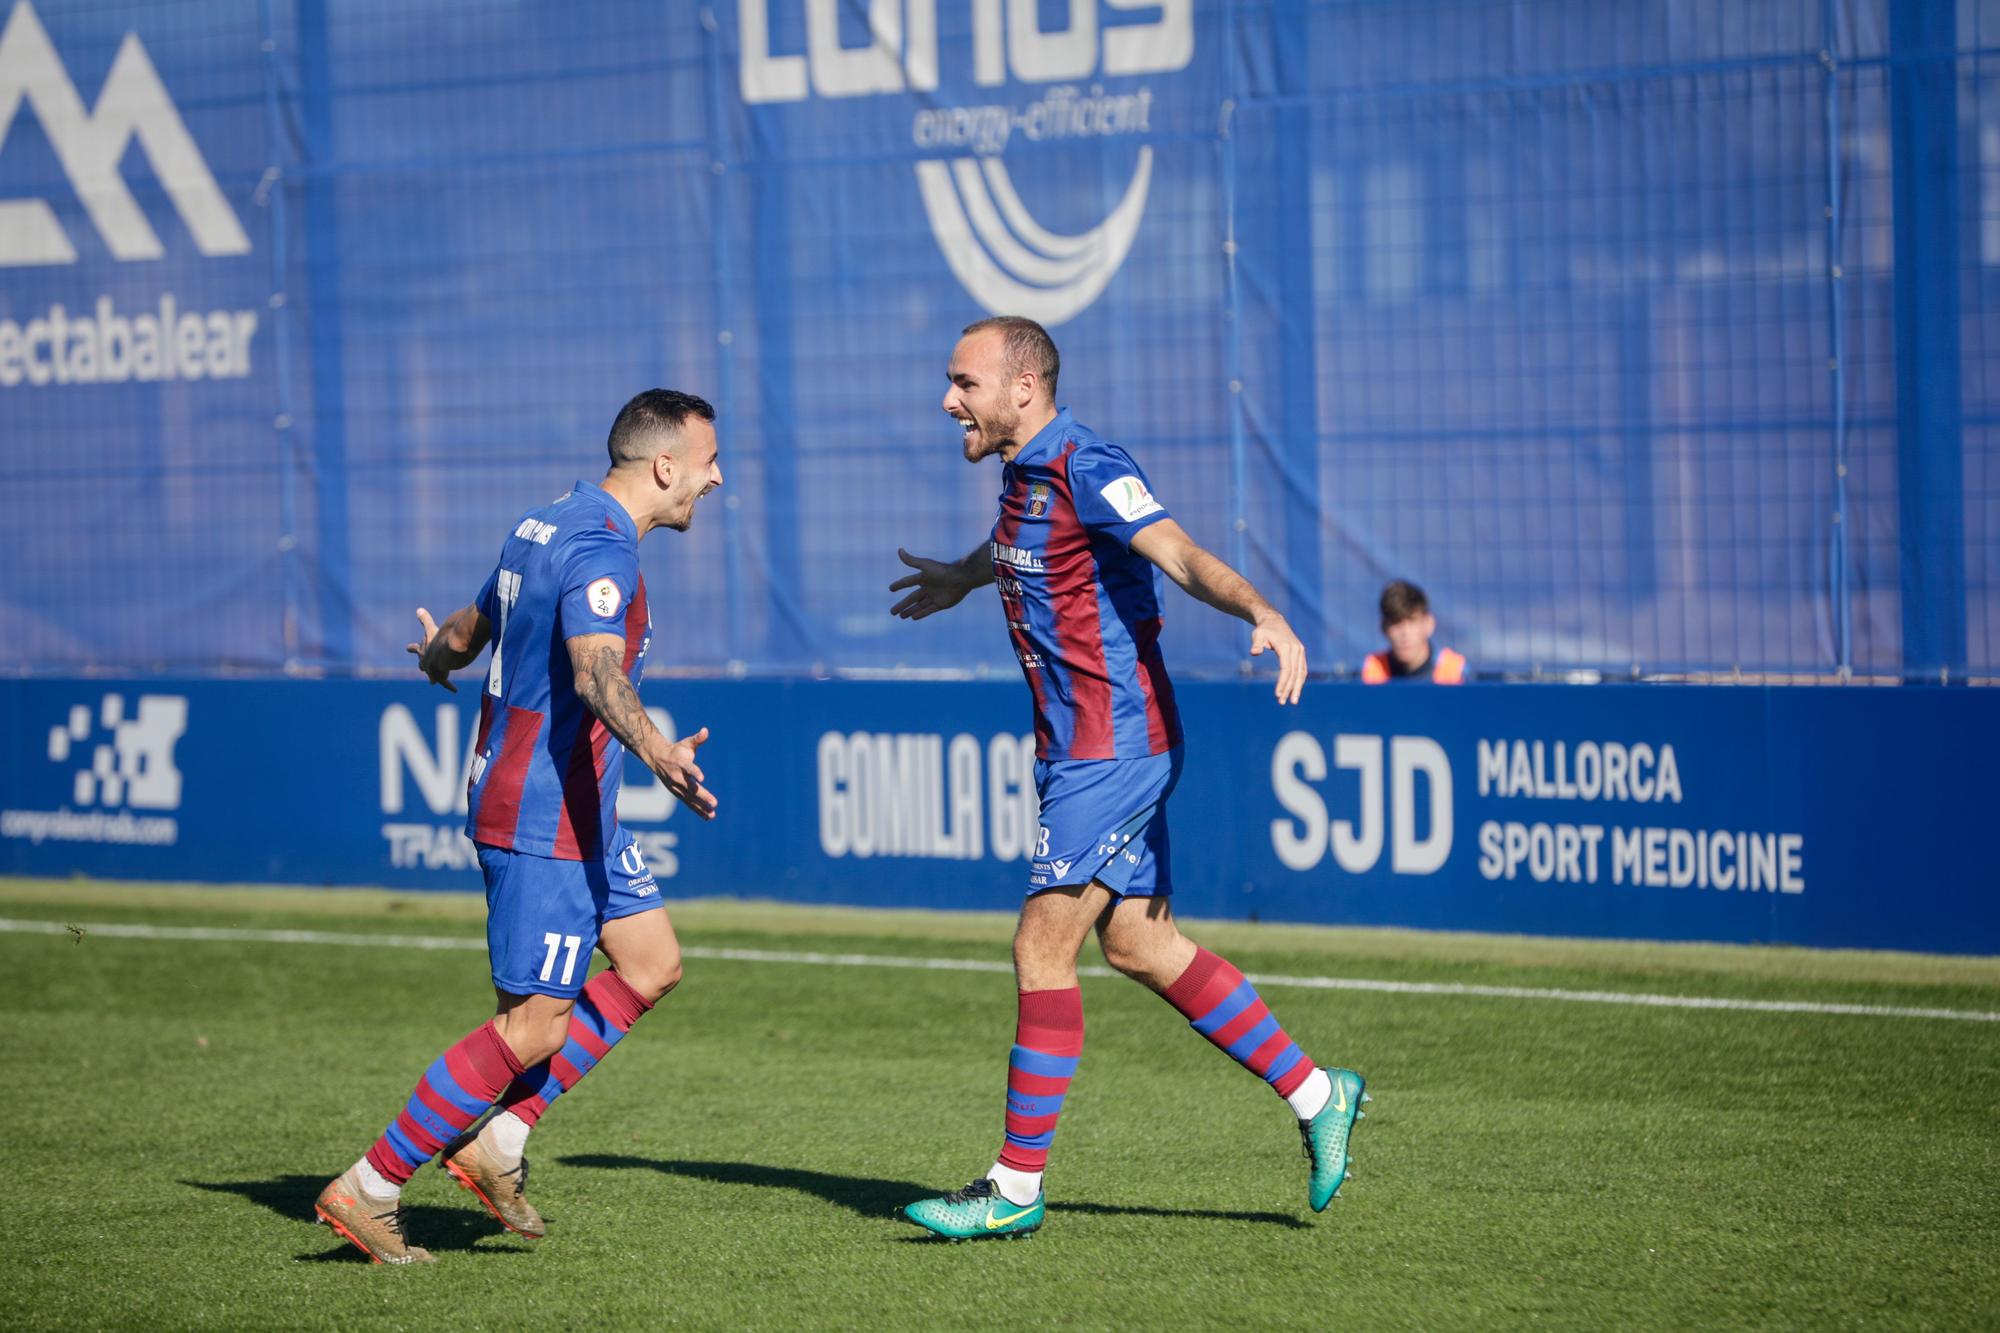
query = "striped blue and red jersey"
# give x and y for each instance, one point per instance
(546, 771)
(1082, 607)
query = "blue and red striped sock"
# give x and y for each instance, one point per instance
(1048, 1040)
(604, 1013)
(1219, 1004)
(459, 1085)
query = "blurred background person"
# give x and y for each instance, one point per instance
(1408, 624)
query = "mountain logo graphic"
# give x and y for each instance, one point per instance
(132, 106)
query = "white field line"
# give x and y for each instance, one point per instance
(323, 937)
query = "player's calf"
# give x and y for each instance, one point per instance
(454, 1091)
(489, 1159)
(604, 1013)
(1222, 1005)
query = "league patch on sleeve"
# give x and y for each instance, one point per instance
(1130, 498)
(603, 596)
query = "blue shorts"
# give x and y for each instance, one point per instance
(543, 916)
(1105, 820)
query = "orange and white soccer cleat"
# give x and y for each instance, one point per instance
(473, 1163)
(376, 1230)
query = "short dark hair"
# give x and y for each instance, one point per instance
(648, 414)
(1401, 600)
(1029, 347)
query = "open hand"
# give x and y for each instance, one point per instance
(683, 776)
(938, 587)
(1275, 634)
(437, 672)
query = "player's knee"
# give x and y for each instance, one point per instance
(670, 976)
(656, 979)
(1125, 955)
(1143, 955)
(1034, 954)
(534, 1042)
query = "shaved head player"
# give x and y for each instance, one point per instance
(1077, 552)
(566, 613)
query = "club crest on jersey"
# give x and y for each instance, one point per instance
(603, 596)
(1129, 496)
(1038, 499)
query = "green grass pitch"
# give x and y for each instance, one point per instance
(172, 1108)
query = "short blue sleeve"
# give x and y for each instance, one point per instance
(1111, 493)
(484, 602)
(600, 575)
(488, 602)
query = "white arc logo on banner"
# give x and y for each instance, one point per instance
(132, 105)
(1010, 263)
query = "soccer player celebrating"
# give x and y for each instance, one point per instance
(565, 611)
(1076, 552)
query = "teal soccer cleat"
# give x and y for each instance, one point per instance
(975, 1213)
(1325, 1136)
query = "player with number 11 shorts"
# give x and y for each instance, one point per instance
(566, 615)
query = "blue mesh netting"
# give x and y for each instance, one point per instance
(1648, 337)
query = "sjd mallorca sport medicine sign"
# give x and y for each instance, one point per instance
(1849, 818)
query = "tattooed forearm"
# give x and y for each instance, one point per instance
(607, 691)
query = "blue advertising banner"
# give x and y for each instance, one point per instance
(1825, 817)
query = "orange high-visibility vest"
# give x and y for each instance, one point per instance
(1449, 669)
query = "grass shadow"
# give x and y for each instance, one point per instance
(858, 1194)
(873, 1197)
(291, 1197)
(1210, 1214)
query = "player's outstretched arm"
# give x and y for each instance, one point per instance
(1208, 579)
(938, 586)
(447, 647)
(598, 661)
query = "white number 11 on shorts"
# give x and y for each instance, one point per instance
(556, 942)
